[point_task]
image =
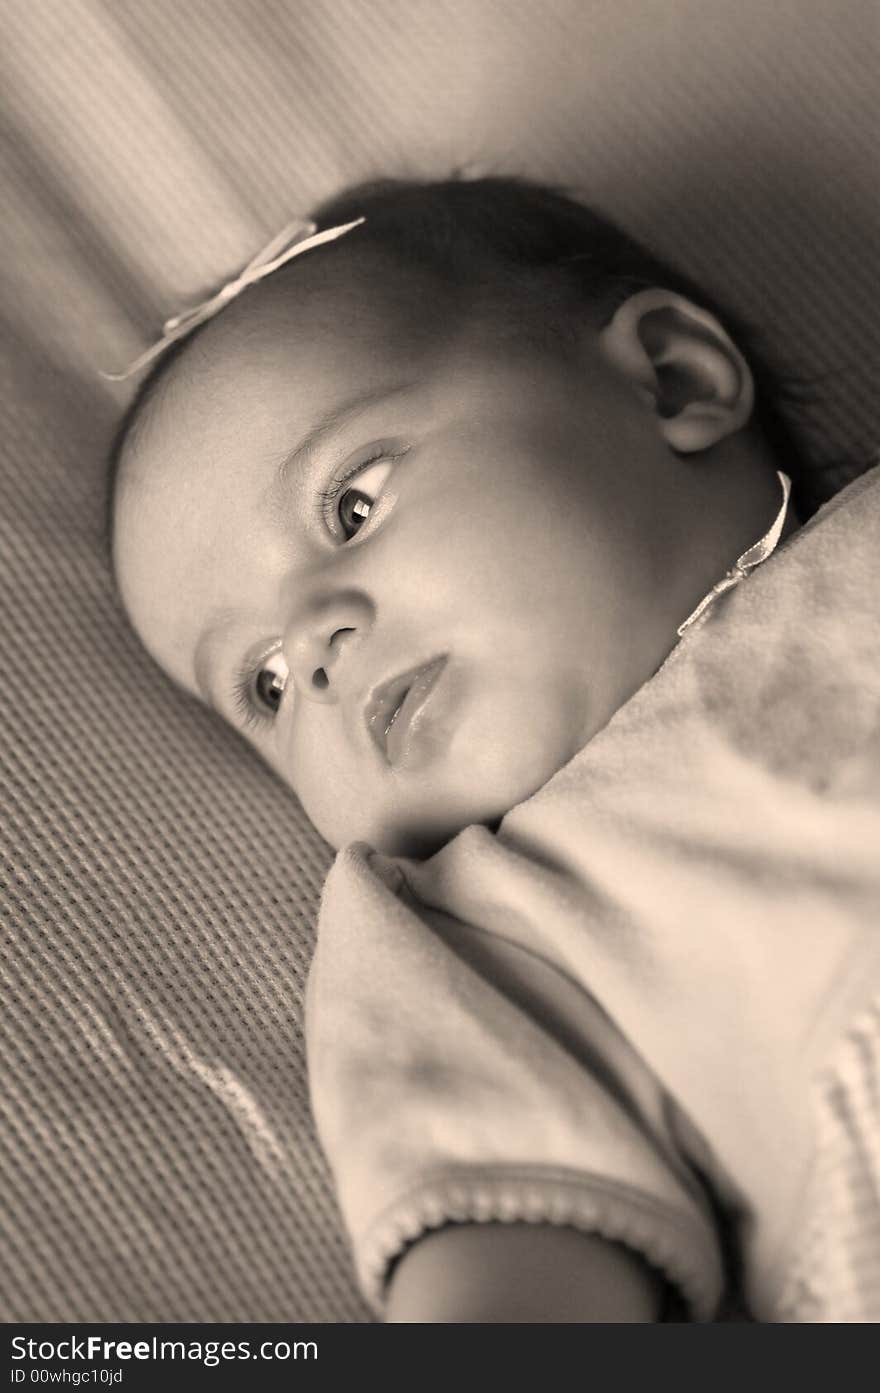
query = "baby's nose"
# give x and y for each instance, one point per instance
(319, 639)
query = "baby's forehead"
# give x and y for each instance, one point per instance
(341, 291)
(333, 311)
(308, 313)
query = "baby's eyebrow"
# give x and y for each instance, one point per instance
(335, 420)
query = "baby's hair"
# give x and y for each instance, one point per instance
(529, 258)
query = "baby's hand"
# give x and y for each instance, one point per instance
(488, 1273)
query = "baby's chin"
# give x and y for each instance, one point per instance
(423, 826)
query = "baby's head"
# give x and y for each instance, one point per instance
(422, 509)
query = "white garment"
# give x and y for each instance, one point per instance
(649, 1005)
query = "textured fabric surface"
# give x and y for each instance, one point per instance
(157, 887)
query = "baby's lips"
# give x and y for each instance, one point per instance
(392, 706)
(400, 732)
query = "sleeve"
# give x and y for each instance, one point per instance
(441, 1097)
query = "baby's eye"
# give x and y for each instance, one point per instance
(354, 501)
(271, 682)
(258, 696)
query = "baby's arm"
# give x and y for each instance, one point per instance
(521, 1272)
(457, 1093)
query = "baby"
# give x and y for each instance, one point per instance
(424, 514)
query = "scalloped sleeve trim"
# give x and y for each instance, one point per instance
(677, 1245)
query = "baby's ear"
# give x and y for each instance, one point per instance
(681, 360)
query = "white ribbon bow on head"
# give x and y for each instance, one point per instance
(294, 239)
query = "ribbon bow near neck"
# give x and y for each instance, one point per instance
(755, 556)
(297, 237)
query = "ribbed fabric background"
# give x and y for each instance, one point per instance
(158, 887)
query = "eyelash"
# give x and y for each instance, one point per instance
(244, 681)
(243, 692)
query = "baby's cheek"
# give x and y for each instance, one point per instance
(284, 765)
(311, 771)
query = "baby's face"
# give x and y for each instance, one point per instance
(415, 570)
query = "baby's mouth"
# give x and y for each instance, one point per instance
(391, 709)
